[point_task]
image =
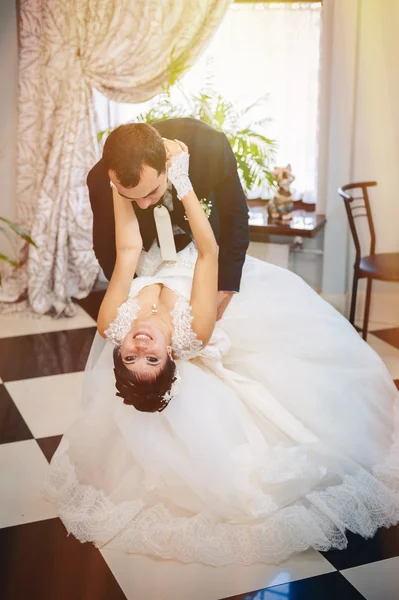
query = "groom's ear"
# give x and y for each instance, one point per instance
(168, 155)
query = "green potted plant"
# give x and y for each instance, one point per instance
(6, 227)
(253, 150)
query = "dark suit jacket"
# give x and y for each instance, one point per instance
(213, 174)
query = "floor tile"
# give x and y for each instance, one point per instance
(332, 586)
(49, 445)
(390, 336)
(18, 324)
(40, 562)
(23, 468)
(12, 426)
(92, 303)
(45, 354)
(388, 353)
(379, 581)
(148, 578)
(385, 544)
(49, 405)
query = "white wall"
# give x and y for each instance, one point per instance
(359, 132)
(376, 137)
(337, 113)
(8, 103)
(376, 126)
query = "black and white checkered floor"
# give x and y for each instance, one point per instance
(41, 364)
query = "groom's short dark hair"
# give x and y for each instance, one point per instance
(129, 148)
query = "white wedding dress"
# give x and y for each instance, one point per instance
(284, 433)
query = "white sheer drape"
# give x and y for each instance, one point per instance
(261, 48)
(122, 48)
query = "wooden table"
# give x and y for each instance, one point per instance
(305, 224)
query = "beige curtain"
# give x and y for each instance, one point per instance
(120, 47)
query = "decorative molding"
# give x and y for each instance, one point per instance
(278, 2)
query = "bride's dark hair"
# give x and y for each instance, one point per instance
(146, 395)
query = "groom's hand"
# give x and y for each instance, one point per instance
(223, 302)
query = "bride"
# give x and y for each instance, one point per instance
(243, 440)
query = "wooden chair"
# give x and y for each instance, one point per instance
(384, 267)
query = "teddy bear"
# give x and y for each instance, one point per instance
(281, 206)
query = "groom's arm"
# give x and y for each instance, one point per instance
(100, 194)
(232, 207)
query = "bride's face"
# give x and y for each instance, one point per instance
(144, 350)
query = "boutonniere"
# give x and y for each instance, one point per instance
(206, 207)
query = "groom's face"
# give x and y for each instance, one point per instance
(149, 190)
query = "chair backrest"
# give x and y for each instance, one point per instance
(359, 206)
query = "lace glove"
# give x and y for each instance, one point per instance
(178, 174)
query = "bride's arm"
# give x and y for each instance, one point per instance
(128, 248)
(205, 282)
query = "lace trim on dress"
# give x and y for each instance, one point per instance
(122, 323)
(361, 503)
(88, 511)
(185, 344)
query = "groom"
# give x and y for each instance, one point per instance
(134, 159)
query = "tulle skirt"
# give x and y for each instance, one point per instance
(284, 435)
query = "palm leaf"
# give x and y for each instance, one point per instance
(19, 231)
(10, 261)
(101, 134)
(256, 136)
(22, 234)
(6, 233)
(178, 66)
(259, 102)
(253, 150)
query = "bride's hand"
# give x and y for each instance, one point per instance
(177, 164)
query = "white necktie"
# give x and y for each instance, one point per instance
(166, 239)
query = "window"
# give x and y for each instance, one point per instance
(261, 48)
